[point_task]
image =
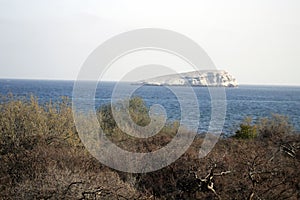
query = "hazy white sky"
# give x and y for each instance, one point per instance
(257, 41)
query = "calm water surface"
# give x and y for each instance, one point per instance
(254, 101)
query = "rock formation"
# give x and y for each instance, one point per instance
(207, 78)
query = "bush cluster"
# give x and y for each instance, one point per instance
(42, 157)
(276, 127)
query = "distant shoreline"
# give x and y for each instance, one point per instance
(132, 82)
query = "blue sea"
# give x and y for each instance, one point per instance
(253, 101)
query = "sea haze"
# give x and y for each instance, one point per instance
(254, 101)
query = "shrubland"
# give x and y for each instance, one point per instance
(42, 157)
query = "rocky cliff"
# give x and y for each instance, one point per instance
(208, 78)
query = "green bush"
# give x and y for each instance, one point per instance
(137, 109)
(139, 114)
(246, 130)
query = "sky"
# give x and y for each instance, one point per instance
(256, 41)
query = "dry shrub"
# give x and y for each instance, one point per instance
(42, 157)
(276, 128)
(68, 175)
(239, 169)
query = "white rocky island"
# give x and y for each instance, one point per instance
(207, 78)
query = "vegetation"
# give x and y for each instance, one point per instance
(42, 157)
(247, 130)
(275, 128)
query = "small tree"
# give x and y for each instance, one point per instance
(246, 130)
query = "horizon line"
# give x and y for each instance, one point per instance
(57, 79)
